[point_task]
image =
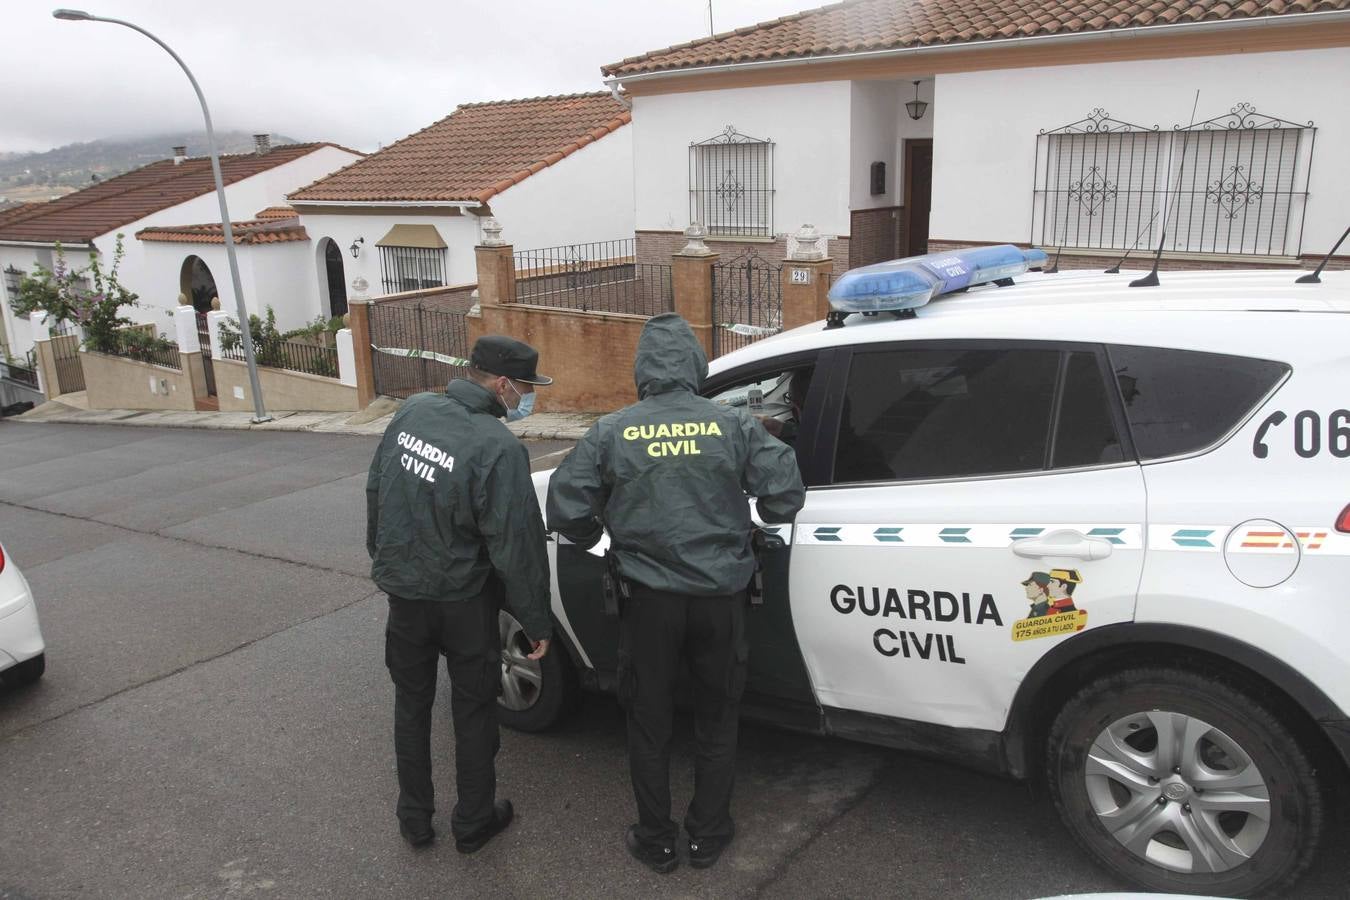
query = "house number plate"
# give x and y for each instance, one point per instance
(801, 276)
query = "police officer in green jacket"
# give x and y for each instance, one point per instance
(453, 530)
(668, 477)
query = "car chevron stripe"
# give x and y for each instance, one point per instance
(956, 536)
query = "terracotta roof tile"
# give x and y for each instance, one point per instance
(479, 150)
(276, 212)
(84, 215)
(253, 232)
(869, 25)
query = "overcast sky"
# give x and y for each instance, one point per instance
(358, 73)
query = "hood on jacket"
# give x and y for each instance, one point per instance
(669, 357)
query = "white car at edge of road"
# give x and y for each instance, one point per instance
(23, 656)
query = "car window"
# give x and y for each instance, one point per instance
(1181, 401)
(1086, 435)
(776, 399)
(934, 413)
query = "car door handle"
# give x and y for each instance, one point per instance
(1065, 542)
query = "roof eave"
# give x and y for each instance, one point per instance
(1134, 31)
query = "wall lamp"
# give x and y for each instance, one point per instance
(356, 247)
(916, 107)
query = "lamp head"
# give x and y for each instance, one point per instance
(72, 15)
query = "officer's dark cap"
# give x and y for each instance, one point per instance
(498, 354)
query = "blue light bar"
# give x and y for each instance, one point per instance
(910, 283)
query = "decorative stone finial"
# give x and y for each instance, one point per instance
(492, 233)
(359, 287)
(215, 304)
(695, 233)
(807, 245)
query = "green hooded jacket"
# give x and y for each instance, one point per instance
(449, 501)
(668, 476)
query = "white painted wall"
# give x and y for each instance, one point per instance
(874, 110)
(460, 233)
(986, 124)
(584, 197)
(808, 123)
(154, 274)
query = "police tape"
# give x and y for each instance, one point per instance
(423, 354)
(750, 330)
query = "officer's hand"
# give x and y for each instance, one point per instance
(771, 425)
(540, 649)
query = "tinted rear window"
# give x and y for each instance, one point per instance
(1181, 401)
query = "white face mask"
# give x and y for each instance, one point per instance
(524, 404)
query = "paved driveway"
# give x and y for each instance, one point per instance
(216, 719)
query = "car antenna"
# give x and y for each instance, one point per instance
(1313, 276)
(1151, 279)
(1054, 266)
(1115, 269)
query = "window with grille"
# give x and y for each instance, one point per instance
(731, 184)
(1237, 184)
(411, 268)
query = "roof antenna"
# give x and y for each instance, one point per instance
(1151, 279)
(1312, 277)
(1054, 265)
(1115, 269)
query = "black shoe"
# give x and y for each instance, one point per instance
(417, 835)
(661, 860)
(502, 814)
(703, 853)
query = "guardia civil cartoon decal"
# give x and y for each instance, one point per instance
(1052, 610)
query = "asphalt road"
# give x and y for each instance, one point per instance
(216, 719)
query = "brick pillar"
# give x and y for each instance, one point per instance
(691, 270)
(496, 267)
(805, 286)
(358, 314)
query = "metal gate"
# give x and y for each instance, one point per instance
(747, 301)
(416, 348)
(66, 353)
(204, 339)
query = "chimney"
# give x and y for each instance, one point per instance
(179, 154)
(262, 143)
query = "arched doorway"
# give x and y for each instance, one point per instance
(332, 277)
(197, 284)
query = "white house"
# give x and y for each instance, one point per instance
(553, 170)
(900, 126)
(164, 195)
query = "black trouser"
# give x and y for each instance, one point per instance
(657, 631)
(419, 631)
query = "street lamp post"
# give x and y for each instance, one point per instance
(259, 414)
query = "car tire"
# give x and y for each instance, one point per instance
(1124, 759)
(535, 694)
(26, 672)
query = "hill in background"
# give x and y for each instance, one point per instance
(52, 173)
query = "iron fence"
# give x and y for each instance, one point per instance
(416, 347)
(22, 370)
(595, 277)
(731, 184)
(1236, 184)
(160, 355)
(294, 356)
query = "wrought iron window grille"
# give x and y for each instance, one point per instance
(731, 184)
(1234, 184)
(411, 268)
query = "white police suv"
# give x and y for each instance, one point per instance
(1063, 529)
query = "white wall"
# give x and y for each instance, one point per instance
(808, 123)
(873, 110)
(460, 233)
(584, 197)
(986, 123)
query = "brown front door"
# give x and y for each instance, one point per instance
(918, 194)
